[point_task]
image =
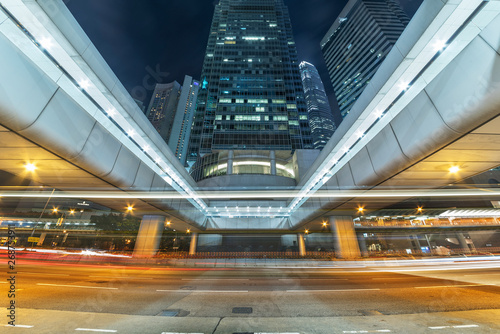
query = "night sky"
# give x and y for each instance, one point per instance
(149, 41)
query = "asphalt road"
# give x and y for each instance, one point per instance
(69, 298)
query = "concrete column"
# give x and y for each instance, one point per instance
(272, 156)
(346, 242)
(417, 248)
(192, 245)
(302, 244)
(362, 245)
(463, 242)
(230, 158)
(148, 238)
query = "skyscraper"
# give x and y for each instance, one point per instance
(162, 107)
(171, 112)
(320, 114)
(251, 96)
(357, 43)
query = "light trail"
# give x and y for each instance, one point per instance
(253, 194)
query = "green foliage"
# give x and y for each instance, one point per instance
(116, 222)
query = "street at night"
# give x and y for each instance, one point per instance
(343, 298)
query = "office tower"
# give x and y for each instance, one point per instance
(171, 111)
(162, 107)
(178, 140)
(357, 43)
(251, 96)
(320, 114)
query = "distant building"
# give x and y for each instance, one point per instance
(171, 111)
(320, 114)
(357, 43)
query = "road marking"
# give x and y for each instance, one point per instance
(96, 330)
(375, 331)
(215, 279)
(390, 278)
(122, 277)
(21, 326)
(77, 286)
(178, 333)
(206, 291)
(3, 282)
(458, 326)
(326, 279)
(340, 290)
(450, 286)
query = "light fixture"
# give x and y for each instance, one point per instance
(454, 169)
(439, 45)
(419, 209)
(131, 133)
(130, 208)
(84, 84)
(111, 112)
(324, 224)
(168, 223)
(30, 167)
(72, 211)
(361, 209)
(306, 231)
(46, 43)
(188, 231)
(403, 86)
(55, 210)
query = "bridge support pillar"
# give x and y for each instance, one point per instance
(272, 156)
(230, 158)
(148, 238)
(464, 245)
(192, 244)
(362, 245)
(346, 242)
(302, 244)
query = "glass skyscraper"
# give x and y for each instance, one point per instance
(251, 96)
(171, 111)
(320, 114)
(357, 43)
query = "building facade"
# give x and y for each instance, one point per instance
(162, 107)
(251, 96)
(357, 43)
(320, 114)
(171, 112)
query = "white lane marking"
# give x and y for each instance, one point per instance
(326, 279)
(178, 333)
(390, 278)
(457, 326)
(77, 286)
(206, 291)
(340, 290)
(375, 331)
(121, 277)
(215, 279)
(21, 326)
(451, 286)
(96, 330)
